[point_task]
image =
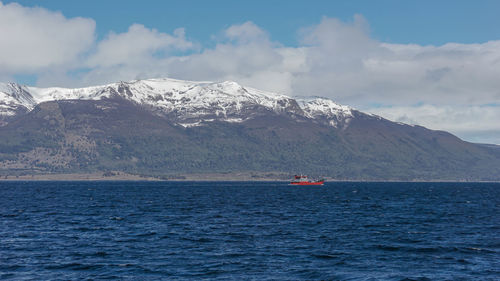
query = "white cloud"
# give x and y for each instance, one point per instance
(246, 55)
(448, 74)
(138, 53)
(475, 123)
(246, 32)
(138, 45)
(34, 39)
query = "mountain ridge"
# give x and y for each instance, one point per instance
(189, 101)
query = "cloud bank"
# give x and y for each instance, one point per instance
(452, 87)
(36, 40)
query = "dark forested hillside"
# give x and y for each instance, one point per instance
(82, 136)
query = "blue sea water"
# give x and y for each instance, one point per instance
(249, 231)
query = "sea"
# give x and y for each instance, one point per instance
(249, 231)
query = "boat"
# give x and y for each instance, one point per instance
(304, 180)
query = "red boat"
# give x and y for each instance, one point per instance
(303, 180)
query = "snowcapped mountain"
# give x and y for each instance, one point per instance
(163, 127)
(14, 99)
(188, 103)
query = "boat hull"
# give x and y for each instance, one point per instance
(308, 183)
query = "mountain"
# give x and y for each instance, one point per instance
(186, 103)
(165, 127)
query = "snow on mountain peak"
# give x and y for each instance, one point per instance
(327, 110)
(56, 93)
(14, 98)
(189, 102)
(324, 106)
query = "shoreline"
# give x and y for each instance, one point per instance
(233, 177)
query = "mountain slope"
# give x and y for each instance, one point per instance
(166, 127)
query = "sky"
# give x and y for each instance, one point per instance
(431, 63)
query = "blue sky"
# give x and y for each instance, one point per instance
(422, 22)
(431, 63)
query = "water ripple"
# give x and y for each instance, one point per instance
(256, 231)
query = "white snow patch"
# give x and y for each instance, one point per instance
(189, 125)
(234, 120)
